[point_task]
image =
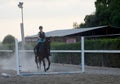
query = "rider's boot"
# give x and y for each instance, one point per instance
(48, 51)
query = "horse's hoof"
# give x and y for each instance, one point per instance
(47, 69)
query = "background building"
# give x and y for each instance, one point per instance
(73, 35)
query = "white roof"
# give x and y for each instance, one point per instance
(65, 32)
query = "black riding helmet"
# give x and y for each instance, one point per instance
(40, 27)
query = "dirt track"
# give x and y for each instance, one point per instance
(59, 79)
(93, 75)
(102, 76)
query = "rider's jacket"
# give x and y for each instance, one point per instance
(41, 37)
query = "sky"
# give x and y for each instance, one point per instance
(51, 14)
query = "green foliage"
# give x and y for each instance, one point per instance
(9, 42)
(64, 46)
(90, 21)
(76, 25)
(107, 13)
(9, 39)
(30, 46)
(95, 59)
(69, 58)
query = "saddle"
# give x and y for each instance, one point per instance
(43, 48)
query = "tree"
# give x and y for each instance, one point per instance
(9, 41)
(115, 12)
(103, 12)
(90, 21)
(75, 25)
(107, 13)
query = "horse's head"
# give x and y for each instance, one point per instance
(47, 41)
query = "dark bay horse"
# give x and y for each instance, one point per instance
(42, 54)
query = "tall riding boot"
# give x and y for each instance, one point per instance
(48, 50)
(38, 46)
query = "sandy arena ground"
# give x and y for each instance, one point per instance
(93, 75)
(81, 78)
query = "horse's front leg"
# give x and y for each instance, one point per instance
(48, 63)
(44, 65)
(36, 61)
(40, 64)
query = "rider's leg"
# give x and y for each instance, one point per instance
(48, 50)
(38, 47)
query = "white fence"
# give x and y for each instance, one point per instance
(6, 50)
(82, 52)
(52, 51)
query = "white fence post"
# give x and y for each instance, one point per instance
(17, 57)
(82, 55)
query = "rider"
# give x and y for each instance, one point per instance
(41, 40)
(41, 35)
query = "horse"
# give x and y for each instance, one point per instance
(42, 53)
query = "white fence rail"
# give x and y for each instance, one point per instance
(82, 51)
(6, 50)
(102, 51)
(70, 51)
